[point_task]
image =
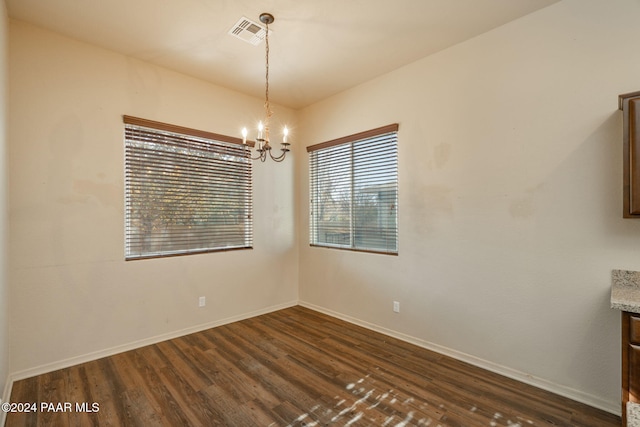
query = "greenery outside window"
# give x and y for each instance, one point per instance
(354, 192)
(186, 191)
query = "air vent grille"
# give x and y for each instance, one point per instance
(248, 31)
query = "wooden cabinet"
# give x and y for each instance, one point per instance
(630, 105)
(630, 361)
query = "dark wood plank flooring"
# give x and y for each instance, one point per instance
(294, 367)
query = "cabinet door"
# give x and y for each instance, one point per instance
(630, 106)
(634, 373)
(634, 156)
(634, 329)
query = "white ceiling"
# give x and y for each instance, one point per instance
(317, 47)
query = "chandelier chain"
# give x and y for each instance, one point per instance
(267, 105)
(263, 148)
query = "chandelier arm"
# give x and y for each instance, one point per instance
(262, 156)
(278, 158)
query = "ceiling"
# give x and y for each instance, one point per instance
(317, 47)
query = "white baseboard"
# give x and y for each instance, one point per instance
(577, 395)
(61, 364)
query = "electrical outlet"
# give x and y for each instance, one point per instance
(396, 306)
(202, 301)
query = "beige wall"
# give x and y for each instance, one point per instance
(4, 291)
(510, 199)
(510, 203)
(73, 296)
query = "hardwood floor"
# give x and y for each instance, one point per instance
(294, 367)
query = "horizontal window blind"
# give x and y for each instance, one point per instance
(354, 191)
(184, 193)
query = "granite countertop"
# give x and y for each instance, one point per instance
(625, 290)
(633, 414)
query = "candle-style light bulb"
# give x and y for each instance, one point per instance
(260, 128)
(286, 134)
(244, 135)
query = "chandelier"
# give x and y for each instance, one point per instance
(262, 146)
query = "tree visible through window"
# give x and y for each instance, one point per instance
(354, 191)
(186, 191)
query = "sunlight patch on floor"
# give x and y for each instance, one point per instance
(345, 414)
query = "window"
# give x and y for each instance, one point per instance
(354, 191)
(186, 191)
